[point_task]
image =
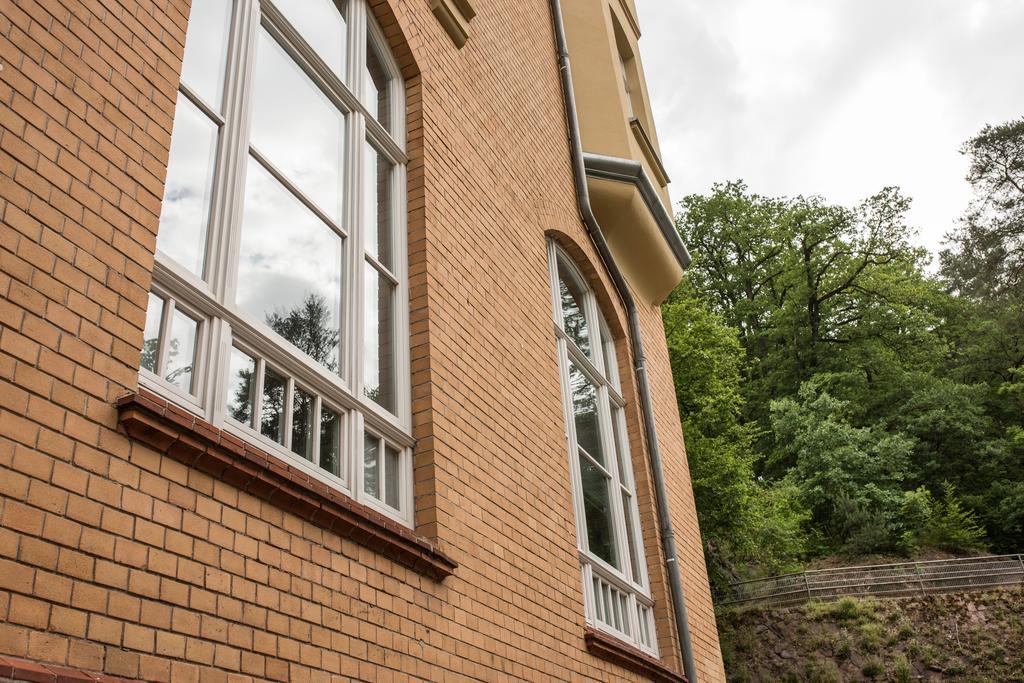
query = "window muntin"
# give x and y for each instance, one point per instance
(613, 569)
(280, 275)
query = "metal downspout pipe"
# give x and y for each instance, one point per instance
(639, 359)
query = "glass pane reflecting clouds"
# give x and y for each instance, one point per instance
(377, 205)
(206, 47)
(272, 406)
(298, 129)
(330, 441)
(574, 320)
(302, 429)
(378, 338)
(181, 351)
(597, 506)
(186, 206)
(151, 335)
(371, 465)
(322, 24)
(584, 408)
(391, 476)
(241, 386)
(289, 268)
(377, 97)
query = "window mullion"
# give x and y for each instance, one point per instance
(314, 424)
(257, 398)
(227, 218)
(288, 402)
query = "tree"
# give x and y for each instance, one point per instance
(834, 461)
(985, 256)
(812, 287)
(745, 522)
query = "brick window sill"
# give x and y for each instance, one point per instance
(171, 430)
(12, 669)
(602, 645)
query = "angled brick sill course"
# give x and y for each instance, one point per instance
(169, 429)
(12, 669)
(613, 650)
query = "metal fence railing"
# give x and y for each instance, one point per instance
(884, 580)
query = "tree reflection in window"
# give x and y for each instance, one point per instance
(307, 327)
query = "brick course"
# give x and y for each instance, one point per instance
(118, 559)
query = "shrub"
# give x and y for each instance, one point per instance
(822, 671)
(901, 670)
(873, 668)
(943, 524)
(861, 528)
(843, 610)
(872, 636)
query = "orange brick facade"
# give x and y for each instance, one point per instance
(119, 559)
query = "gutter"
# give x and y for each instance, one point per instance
(624, 169)
(629, 171)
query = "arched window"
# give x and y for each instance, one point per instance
(279, 302)
(614, 571)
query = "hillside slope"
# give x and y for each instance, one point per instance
(970, 637)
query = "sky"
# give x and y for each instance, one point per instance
(832, 97)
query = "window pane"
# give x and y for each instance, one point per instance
(272, 406)
(302, 428)
(206, 47)
(584, 406)
(377, 98)
(574, 321)
(181, 351)
(377, 206)
(322, 24)
(289, 268)
(186, 207)
(298, 129)
(330, 441)
(378, 338)
(241, 386)
(391, 477)
(151, 335)
(371, 466)
(634, 557)
(597, 507)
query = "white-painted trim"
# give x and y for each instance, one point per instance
(615, 445)
(210, 297)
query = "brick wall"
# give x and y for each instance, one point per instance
(116, 558)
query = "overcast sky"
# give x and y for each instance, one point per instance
(832, 97)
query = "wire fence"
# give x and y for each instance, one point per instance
(884, 580)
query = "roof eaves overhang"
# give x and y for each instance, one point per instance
(620, 170)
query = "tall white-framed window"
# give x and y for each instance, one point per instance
(279, 305)
(612, 565)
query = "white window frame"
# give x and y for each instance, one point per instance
(603, 583)
(210, 297)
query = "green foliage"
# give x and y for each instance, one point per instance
(844, 610)
(849, 477)
(827, 381)
(942, 524)
(873, 668)
(901, 670)
(822, 671)
(744, 521)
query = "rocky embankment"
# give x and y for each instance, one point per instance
(970, 637)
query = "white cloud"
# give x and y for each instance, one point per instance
(837, 98)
